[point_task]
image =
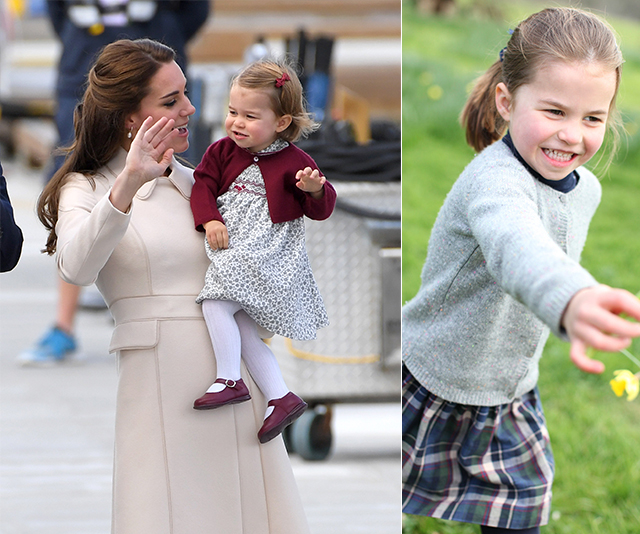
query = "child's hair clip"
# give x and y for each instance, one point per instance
(505, 48)
(280, 81)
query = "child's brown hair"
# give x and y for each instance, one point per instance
(554, 34)
(279, 80)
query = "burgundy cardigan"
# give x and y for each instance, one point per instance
(224, 161)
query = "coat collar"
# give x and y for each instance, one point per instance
(181, 177)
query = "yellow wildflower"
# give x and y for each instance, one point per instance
(435, 92)
(625, 381)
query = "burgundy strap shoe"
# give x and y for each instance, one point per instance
(235, 391)
(285, 411)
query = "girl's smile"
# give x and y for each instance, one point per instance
(558, 121)
(558, 155)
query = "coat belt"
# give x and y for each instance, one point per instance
(156, 307)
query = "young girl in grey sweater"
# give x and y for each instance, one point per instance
(502, 271)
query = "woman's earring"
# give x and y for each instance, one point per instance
(130, 134)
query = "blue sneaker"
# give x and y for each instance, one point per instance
(53, 348)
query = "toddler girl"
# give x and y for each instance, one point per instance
(251, 191)
(502, 271)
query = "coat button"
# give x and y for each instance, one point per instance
(256, 158)
(563, 199)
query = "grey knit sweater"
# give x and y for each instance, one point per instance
(501, 267)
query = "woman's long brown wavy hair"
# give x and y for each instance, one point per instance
(116, 85)
(554, 34)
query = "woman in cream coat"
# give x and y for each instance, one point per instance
(118, 214)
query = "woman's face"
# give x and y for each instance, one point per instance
(167, 98)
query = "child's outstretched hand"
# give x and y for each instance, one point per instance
(592, 320)
(310, 181)
(217, 234)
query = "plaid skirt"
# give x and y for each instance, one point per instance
(488, 465)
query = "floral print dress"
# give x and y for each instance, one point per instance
(266, 268)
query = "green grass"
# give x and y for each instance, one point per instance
(595, 435)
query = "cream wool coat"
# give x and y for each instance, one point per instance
(177, 470)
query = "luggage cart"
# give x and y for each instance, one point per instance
(355, 256)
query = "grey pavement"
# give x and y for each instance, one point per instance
(57, 423)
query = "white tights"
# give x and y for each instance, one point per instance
(233, 333)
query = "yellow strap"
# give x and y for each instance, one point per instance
(303, 355)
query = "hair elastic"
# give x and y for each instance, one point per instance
(510, 31)
(280, 81)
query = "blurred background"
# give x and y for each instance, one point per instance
(594, 434)
(56, 423)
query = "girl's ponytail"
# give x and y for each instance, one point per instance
(480, 118)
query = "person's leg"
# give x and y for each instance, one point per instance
(228, 388)
(259, 359)
(225, 337)
(58, 342)
(64, 124)
(494, 530)
(68, 295)
(283, 406)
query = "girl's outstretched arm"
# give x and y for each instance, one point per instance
(592, 319)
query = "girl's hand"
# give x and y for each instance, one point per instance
(148, 157)
(310, 181)
(217, 234)
(592, 320)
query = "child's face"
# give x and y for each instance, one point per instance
(558, 121)
(167, 98)
(251, 121)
